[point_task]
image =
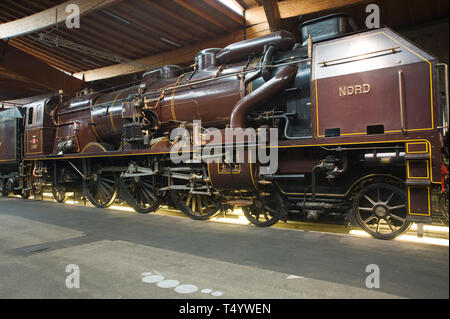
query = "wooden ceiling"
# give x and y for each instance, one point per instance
(137, 29)
(129, 29)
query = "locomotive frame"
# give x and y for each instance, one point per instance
(381, 176)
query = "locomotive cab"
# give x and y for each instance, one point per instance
(39, 128)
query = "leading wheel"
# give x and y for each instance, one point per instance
(139, 193)
(59, 193)
(25, 194)
(101, 188)
(265, 211)
(196, 206)
(380, 210)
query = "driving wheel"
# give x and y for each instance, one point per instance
(101, 188)
(140, 193)
(380, 210)
(265, 211)
(196, 206)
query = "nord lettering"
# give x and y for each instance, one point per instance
(354, 89)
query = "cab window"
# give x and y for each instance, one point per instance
(39, 112)
(30, 116)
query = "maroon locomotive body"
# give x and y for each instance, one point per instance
(361, 132)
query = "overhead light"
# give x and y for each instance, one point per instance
(170, 42)
(115, 16)
(233, 5)
(68, 73)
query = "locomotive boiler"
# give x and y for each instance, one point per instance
(361, 133)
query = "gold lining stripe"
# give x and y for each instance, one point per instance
(93, 144)
(172, 104)
(416, 152)
(93, 127)
(209, 174)
(92, 121)
(418, 177)
(409, 202)
(111, 114)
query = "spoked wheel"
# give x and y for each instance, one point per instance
(59, 193)
(101, 188)
(25, 194)
(265, 211)
(196, 206)
(380, 210)
(139, 193)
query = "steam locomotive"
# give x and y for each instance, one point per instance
(362, 133)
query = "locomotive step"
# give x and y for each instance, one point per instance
(418, 182)
(417, 156)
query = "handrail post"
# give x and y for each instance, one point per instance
(402, 103)
(445, 116)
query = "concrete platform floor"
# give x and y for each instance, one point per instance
(122, 254)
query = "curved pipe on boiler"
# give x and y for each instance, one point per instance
(266, 71)
(245, 105)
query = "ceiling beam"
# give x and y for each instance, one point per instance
(178, 56)
(293, 8)
(27, 66)
(49, 17)
(202, 14)
(272, 14)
